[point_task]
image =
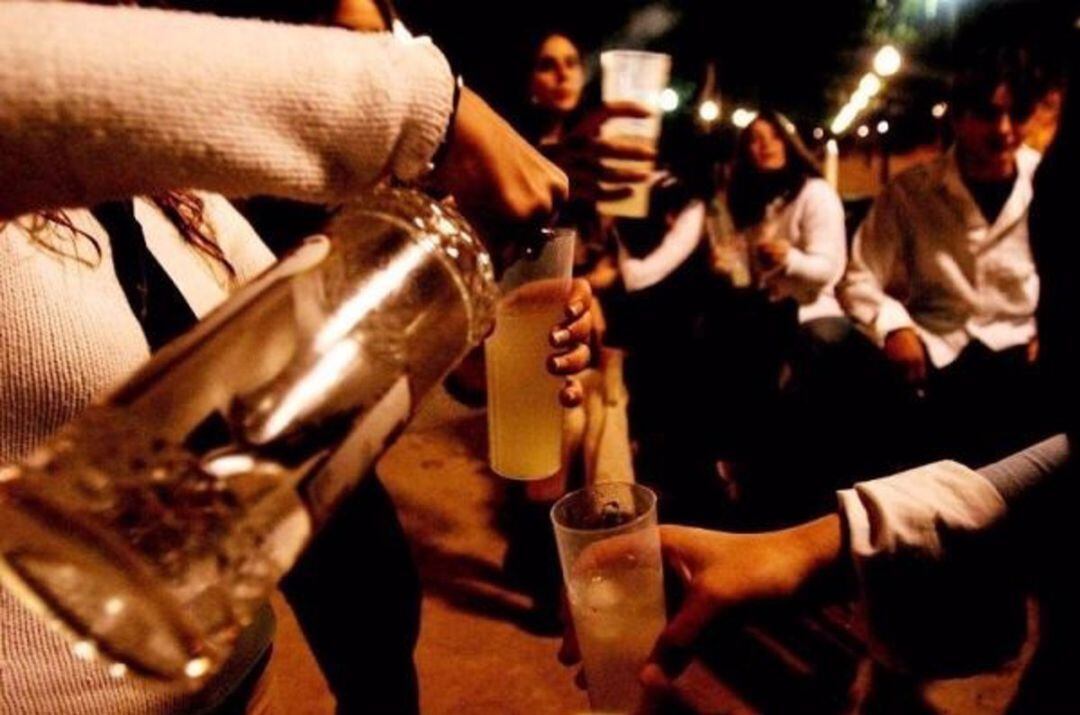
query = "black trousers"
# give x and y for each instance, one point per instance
(984, 406)
(356, 595)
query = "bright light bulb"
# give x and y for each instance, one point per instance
(939, 110)
(863, 131)
(844, 119)
(870, 84)
(669, 100)
(887, 61)
(742, 117)
(709, 110)
(883, 127)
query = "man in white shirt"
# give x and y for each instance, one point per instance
(942, 277)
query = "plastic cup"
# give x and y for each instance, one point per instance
(609, 548)
(636, 77)
(525, 419)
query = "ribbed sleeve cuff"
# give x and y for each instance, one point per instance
(429, 108)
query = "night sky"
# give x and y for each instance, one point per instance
(800, 56)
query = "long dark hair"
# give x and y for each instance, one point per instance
(184, 209)
(533, 122)
(752, 190)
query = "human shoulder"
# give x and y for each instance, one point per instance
(819, 190)
(919, 178)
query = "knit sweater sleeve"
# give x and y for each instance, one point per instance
(104, 102)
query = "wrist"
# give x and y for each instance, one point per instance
(820, 548)
(443, 149)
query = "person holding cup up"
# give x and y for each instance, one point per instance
(550, 442)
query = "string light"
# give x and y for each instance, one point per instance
(669, 100)
(709, 110)
(741, 117)
(888, 61)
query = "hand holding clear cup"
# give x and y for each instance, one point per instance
(586, 156)
(609, 548)
(633, 77)
(525, 419)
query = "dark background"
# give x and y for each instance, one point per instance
(802, 57)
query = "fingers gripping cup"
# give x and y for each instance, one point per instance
(639, 78)
(609, 547)
(525, 419)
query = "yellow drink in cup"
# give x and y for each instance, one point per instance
(636, 205)
(524, 415)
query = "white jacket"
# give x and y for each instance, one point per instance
(813, 223)
(926, 258)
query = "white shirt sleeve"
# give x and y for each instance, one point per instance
(106, 102)
(937, 595)
(877, 269)
(678, 245)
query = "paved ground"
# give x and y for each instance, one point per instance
(473, 657)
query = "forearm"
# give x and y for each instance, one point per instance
(822, 551)
(677, 246)
(820, 255)
(933, 550)
(876, 269)
(100, 102)
(1020, 474)
(870, 306)
(813, 270)
(803, 275)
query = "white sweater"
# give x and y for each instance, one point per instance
(67, 335)
(678, 245)
(813, 224)
(108, 102)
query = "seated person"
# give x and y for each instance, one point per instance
(943, 279)
(781, 340)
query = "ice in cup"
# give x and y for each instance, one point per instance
(525, 419)
(636, 77)
(609, 548)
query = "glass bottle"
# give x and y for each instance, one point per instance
(153, 526)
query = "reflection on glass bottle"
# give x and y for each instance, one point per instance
(153, 526)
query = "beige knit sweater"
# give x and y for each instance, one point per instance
(106, 102)
(67, 334)
(109, 102)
